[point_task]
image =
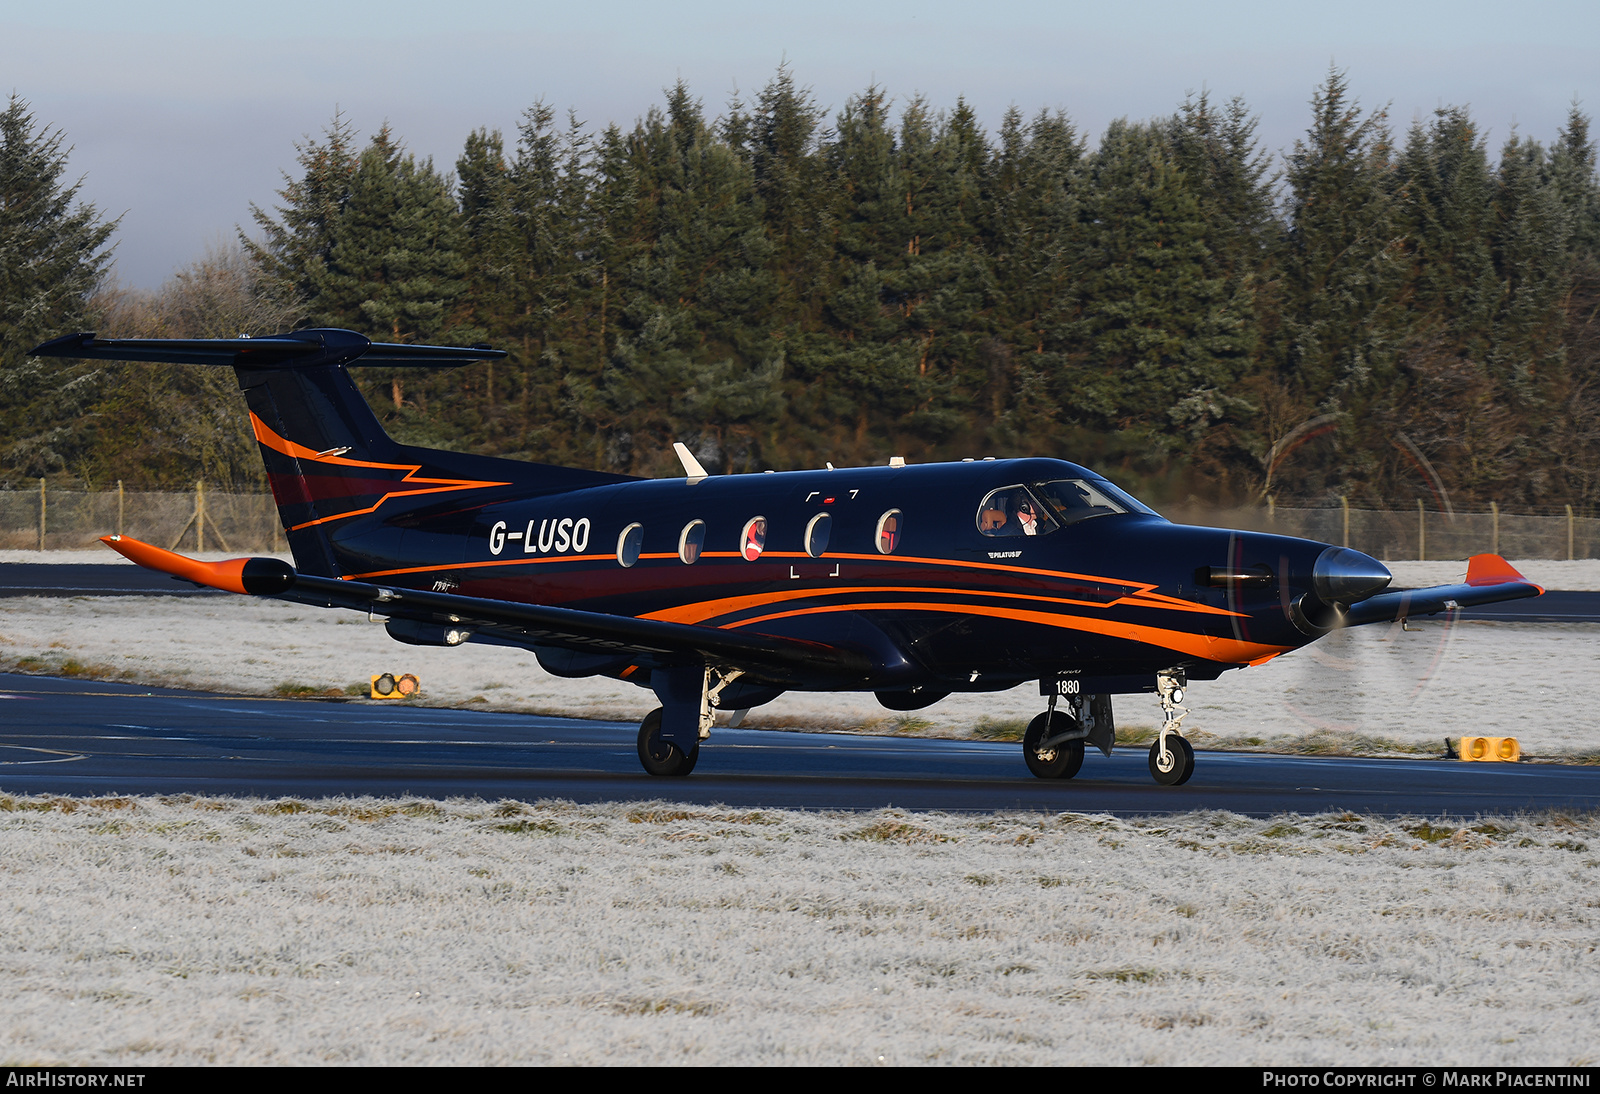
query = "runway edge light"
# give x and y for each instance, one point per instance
(1489, 750)
(386, 685)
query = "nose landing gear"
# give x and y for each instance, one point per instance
(1171, 757)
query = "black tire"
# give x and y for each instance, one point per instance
(662, 757)
(1060, 762)
(1182, 753)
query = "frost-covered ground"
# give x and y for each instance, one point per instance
(1370, 689)
(154, 931)
(183, 931)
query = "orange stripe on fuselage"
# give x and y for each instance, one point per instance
(708, 609)
(1226, 650)
(1142, 595)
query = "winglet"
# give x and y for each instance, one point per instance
(257, 576)
(1492, 570)
(691, 466)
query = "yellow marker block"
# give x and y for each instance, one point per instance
(386, 685)
(1490, 749)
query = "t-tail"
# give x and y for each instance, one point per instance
(335, 474)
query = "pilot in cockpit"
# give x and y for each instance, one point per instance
(1027, 520)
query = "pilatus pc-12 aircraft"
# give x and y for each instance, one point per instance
(720, 593)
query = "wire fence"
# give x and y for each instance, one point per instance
(49, 519)
(205, 520)
(1415, 533)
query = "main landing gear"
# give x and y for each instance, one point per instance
(1053, 744)
(1051, 747)
(689, 696)
(659, 755)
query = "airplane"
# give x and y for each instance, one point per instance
(719, 593)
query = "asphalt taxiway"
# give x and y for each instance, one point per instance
(86, 738)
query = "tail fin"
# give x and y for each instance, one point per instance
(328, 460)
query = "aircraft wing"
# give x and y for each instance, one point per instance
(651, 642)
(1490, 579)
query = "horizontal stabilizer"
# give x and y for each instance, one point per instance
(648, 641)
(1490, 580)
(299, 349)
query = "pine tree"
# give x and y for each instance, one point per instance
(395, 269)
(1161, 339)
(52, 256)
(1572, 170)
(693, 347)
(1343, 268)
(1528, 233)
(295, 246)
(1445, 203)
(1036, 239)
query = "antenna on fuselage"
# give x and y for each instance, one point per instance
(691, 466)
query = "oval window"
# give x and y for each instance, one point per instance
(629, 544)
(817, 534)
(753, 539)
(888, 537)
(692, 541)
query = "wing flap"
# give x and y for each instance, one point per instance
(536, 624)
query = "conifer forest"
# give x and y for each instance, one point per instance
(1372, 313)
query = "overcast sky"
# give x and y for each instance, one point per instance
(182, 113)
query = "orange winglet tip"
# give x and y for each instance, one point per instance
(1493, 570)
(228, 576)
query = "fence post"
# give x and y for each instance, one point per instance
(1344, 504)
(1422, 532)
(199, 515)
(1494, 513)
(1569, 534)
(119, 507)
(41, 514)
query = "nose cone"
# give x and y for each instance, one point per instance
(1343, 576)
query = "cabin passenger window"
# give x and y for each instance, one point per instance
(753, 539)
(817, 534)
(1014, 511)
(629, 544)
(692, 541)
(888, 534)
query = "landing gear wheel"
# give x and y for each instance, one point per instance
(659, 756)
(1179, 765)
(1059, 761)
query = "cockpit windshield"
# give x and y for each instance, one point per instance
(1073, 500)
(1039, 508)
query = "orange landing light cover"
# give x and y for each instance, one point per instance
(227, 576)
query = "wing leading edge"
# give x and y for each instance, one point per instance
(649, 642)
